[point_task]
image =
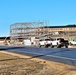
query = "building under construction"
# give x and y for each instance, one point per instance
(41, 29)
(26, 30)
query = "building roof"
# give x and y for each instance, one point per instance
(60, 26)
(4, 37)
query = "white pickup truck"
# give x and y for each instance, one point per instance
(72, 42)
(44, 42)
(58, 42)
(55, 42)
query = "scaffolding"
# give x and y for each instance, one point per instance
(26, 30)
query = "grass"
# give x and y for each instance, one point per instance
(15, 65)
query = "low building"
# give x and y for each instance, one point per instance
(68, 31)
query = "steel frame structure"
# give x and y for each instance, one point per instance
(24, 30)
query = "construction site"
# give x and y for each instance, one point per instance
(31, 30)
(26, 30)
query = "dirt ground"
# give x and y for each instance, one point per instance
(16, 64)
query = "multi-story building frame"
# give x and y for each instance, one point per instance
(39, 29)
(24, 30)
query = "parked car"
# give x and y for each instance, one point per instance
(27, 42)
(59, 42)
(55, 42)
(63, 43)
(44, 42)
(72, 42)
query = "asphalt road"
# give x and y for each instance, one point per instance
(63, 55)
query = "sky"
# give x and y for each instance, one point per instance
(56, 12)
